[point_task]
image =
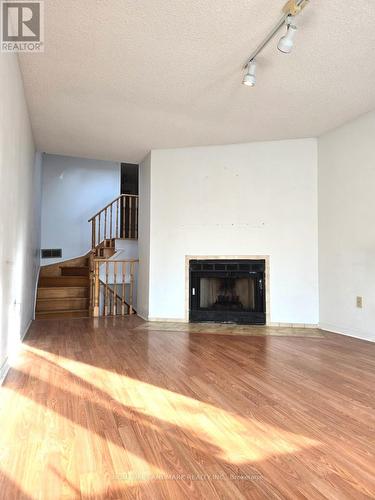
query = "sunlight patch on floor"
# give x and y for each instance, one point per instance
(48, 441)
(231, 437)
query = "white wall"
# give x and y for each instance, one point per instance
(125, 250)
(20, 183)
(144, 224)
(346, 228)
(247, 199)
(73, 190)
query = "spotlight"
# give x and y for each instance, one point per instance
(250, 78)
(286, 42)
(291, 9)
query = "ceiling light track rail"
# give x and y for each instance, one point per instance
(290, 9)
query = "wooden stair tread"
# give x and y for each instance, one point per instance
(66, 288)
(61, 304)
(51, 299)
(62, 310)
(62, 292)
(66, 281)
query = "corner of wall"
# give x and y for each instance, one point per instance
(346, 177)
(143, 290)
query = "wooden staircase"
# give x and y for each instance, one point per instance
(63, 290)
(94, 285)
(105, 249)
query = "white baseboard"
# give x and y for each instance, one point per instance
(292, 325)
(5, 367)
(345, 331)
(168, 320)
(35, 294)
(26, 330)
(140, 315)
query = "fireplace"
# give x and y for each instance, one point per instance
(227, 291)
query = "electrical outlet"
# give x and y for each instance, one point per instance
(360, 302)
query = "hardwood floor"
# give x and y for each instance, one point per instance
(101, 409)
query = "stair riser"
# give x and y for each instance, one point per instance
(62, 314)
(74, 271)
(61, 304)
(65, 281)
(63, 292)
(106, 252)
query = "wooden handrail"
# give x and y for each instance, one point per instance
(102, 261)
(117, 220)
(116, 296)
(112, 202)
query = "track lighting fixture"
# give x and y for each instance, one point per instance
(250, 77)
(286, 42)
(291, 9)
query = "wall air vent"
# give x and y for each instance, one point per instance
(51, 253)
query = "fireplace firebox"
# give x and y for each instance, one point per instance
(227, 291)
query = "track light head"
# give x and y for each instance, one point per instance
(250, 78)
(286, 42)
(291, 9)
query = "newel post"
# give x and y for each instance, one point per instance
(96, 289)
(93, 233)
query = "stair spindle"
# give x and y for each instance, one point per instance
(99, 235)
(117, 235)
(93, 239)
(123, 202)
(106, 292)
(110, 220)
(114, 288)
(131, 288)
(123, 269)
(130, 217)
(136, 218)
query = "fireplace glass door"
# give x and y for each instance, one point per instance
(230, 294)
(227, 291)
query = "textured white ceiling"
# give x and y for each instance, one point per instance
(121, 77)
